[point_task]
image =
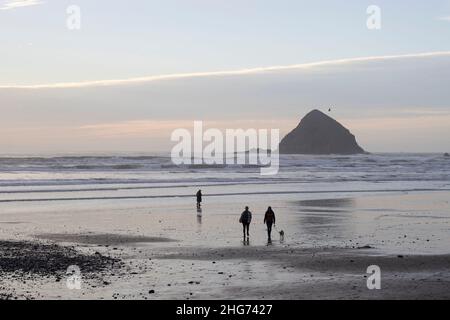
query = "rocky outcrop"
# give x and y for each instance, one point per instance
(318, 133)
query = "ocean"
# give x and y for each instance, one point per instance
(84, 178)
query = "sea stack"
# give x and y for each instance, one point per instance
(318, 133)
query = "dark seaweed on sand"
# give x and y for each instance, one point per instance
(49, 259)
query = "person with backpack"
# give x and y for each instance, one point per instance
(269, 219)
(246, 219)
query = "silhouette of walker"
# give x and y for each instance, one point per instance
(199, 198)
(246, 219)
(269, 219)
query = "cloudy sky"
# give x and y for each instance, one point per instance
(137, 70)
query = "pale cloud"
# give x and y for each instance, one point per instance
(444, 18)
(410, 133)
(248, 71)
(14, 4)
(133, 128)
(397, 123)
(163, 128)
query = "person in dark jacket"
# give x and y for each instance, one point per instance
(269, 220)
(246, 219)
(199, 198)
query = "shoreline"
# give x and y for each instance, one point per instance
(213, 195)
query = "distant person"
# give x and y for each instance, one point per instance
(269, 220)
(199, 198)
(246, 219)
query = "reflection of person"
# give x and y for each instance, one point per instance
(246, 219)
(199, 198)
(269, 219)
(199, 216)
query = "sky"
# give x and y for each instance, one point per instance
(137, 70)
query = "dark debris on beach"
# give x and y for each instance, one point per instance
(24, 258)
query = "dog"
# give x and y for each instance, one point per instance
(281, 235)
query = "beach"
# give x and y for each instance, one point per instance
(138, 139)
(158, 248)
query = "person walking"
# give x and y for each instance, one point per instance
(269, 219)
(199, 198)
(246, 219)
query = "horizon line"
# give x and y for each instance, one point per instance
(245, 71)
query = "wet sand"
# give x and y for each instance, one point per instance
(100, 239)
(171, 251)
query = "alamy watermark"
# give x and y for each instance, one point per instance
(373, 21)
(73, 281)
(374, 280)
(234, 146)
(73, 21)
